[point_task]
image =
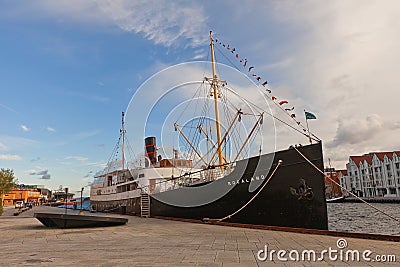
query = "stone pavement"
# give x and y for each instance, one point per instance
(154, 242)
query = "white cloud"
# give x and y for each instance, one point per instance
(8, 108)
(9, 157)
(78, 158)
(356, 132)
(50, 129)
(86, 134)
(25, 128)
(163, 22)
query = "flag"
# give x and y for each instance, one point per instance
(310, 116)
(283, 102)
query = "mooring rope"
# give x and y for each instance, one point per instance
(248, 202)
(362, 200)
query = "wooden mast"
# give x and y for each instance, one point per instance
(215, 88)
(123, 141)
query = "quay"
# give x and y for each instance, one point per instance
(373, 200)
(157, 242)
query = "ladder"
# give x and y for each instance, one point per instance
(144, 205)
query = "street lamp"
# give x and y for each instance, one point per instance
(81, 211)
(66, 199)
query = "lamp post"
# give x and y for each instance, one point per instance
(81, 212)
(66, 199)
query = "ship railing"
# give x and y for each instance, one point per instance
(184, 181)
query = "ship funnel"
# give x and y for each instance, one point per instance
(151, 150)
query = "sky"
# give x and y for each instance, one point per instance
(68, 69)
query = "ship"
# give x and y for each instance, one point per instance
(282, 188)
(333, 192)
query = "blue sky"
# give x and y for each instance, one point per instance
(68, 69)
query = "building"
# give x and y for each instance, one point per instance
(26, 195)
(376, 174)
(345, 182)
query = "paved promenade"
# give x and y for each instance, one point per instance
(153, 242)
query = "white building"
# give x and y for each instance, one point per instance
(376, 174)
(344, 182)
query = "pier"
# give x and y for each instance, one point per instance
(157, 242)
(373, 200)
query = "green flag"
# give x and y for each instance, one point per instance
(310, 116)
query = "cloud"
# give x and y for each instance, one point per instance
(45, 177)
(25, 128)
(44, 174)
(18, 143)
(8, 108)
(86, 134)
(50, 129)
(35, 159)
(163, 22)
(79, 158)
(353, 132)
(9, 157)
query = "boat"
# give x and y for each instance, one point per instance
(333, 190)
(335, 199)
(280, 188)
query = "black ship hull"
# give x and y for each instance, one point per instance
(293, 197)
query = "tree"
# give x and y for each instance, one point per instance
(7, 183)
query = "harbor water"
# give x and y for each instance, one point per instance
(359, 217)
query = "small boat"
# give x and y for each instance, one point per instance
(335, 199)
(333, 191)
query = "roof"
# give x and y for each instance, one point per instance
(343, 172)
(358, 159)
(368, 157)
(381, 155)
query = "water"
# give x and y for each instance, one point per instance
(359, 217)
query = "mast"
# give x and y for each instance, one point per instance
(215, 86)
(123, 141)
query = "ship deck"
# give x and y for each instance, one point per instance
(156, 242)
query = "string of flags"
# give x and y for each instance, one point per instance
(282, 104)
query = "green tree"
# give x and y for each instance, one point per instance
(7, 183)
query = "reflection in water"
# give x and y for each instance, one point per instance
(359, 217)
